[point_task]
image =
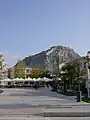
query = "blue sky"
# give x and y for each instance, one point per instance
(30, 26)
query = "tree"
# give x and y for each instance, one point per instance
(34, 73)
(44, 73)
(0, 69)
(73, 71)
(69, 74)
(11, 73)
(3, 70)
(20, 69)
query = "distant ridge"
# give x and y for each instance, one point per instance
(47, 58)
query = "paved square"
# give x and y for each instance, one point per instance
(25, 103)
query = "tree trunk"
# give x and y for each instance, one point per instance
(65, 85)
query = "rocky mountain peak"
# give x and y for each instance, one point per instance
(59, 54)
(51, 57)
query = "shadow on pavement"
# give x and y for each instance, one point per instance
(44, 92)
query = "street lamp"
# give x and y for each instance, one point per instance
(79, 93)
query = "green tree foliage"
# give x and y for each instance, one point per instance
(2, 66)
(11, 73)
(20, 70)
(0, 69)
(34, 73)
(73, 73)
(43, 73)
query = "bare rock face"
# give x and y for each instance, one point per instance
(51, 58)
(58, 55)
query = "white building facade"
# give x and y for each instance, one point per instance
(85, 64)
(88, 74)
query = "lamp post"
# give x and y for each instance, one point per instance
(79, 93)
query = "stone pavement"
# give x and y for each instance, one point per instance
(29, 104)
(41, 118)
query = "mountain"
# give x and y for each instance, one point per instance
(36, 61)
(49, 58)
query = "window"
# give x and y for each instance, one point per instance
(27, 70)
(84, 65)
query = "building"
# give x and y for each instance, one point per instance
(16, 72)
(32, 72)
(11, 73)
(88, 74)
(27, 71)
(85, 64)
